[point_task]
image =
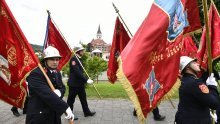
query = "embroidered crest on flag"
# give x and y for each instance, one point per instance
(152, 85)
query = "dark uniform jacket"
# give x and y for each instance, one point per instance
(195, 101)
(76, 77)
(44, 106)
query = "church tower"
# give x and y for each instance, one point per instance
(99, 33)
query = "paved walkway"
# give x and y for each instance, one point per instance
(108, 111)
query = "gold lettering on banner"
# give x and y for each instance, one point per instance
(156, 56)
(11, 56)
(27, 61)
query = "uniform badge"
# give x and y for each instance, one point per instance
(73, 63)
(204, 88)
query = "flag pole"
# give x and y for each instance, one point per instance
(117, 11)
(87, 74)
(208, 43)
(51, 86)
(59, 30)
(75, 54)
(208, 39)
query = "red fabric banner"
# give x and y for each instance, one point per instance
(54, 38)
(120, 40)
(149, 64)
(189, 47)
(17, 59)
(214, 25)
(193, 17)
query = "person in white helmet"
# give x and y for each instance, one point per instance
(196, 96)
(46, 106)
(77, 81)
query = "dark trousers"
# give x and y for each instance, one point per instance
(80, 91)
(25, 106)
(156, 112)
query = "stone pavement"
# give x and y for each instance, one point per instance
(108, 111)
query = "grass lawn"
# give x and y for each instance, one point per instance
(108, 90)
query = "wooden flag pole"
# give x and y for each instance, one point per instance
(208, 39)
(87, 74)
(59, 30)
(75, 54)
(51, 85)
(208, 42)
(117, 11)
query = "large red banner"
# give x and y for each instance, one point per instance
(54, 38)
(120, 40)
(149, 64)
(214, 25)
(17, 59)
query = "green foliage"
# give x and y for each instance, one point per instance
(106, 90)
(66, 69)
(217, 67)
(37, 48)
(94, 66)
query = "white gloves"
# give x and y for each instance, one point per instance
(211, 80)
(69, 114)
(57, 92)
(89, 81)
(214, 116)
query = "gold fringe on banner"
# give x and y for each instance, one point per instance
(130, 91)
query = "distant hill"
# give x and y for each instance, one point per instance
(37, 47)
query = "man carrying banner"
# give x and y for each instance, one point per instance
(77, 81)
(196, 97)
(46, 106)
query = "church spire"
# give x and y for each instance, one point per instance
(99, 33)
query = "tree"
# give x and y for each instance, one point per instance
(94, 65)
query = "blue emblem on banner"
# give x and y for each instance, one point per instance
(177, 15)
(152, 86)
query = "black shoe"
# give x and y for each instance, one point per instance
(89, 114)
(159, 118)
(134, 113)
(15, 112)
(75, 118)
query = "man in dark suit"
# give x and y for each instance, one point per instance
(46, 106)
(77, 81)
(196, 96)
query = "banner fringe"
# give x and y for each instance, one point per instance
(131, 93)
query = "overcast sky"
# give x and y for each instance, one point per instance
(78, 20)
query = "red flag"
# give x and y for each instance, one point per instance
(191, 7)
(120, 40)
(17, 59)
(189, 47)
(54, 38)
(149, 64)
(214, 24)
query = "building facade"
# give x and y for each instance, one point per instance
(99, 44)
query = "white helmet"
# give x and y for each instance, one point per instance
(51, 52)
(184, 61)
(78, 48)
